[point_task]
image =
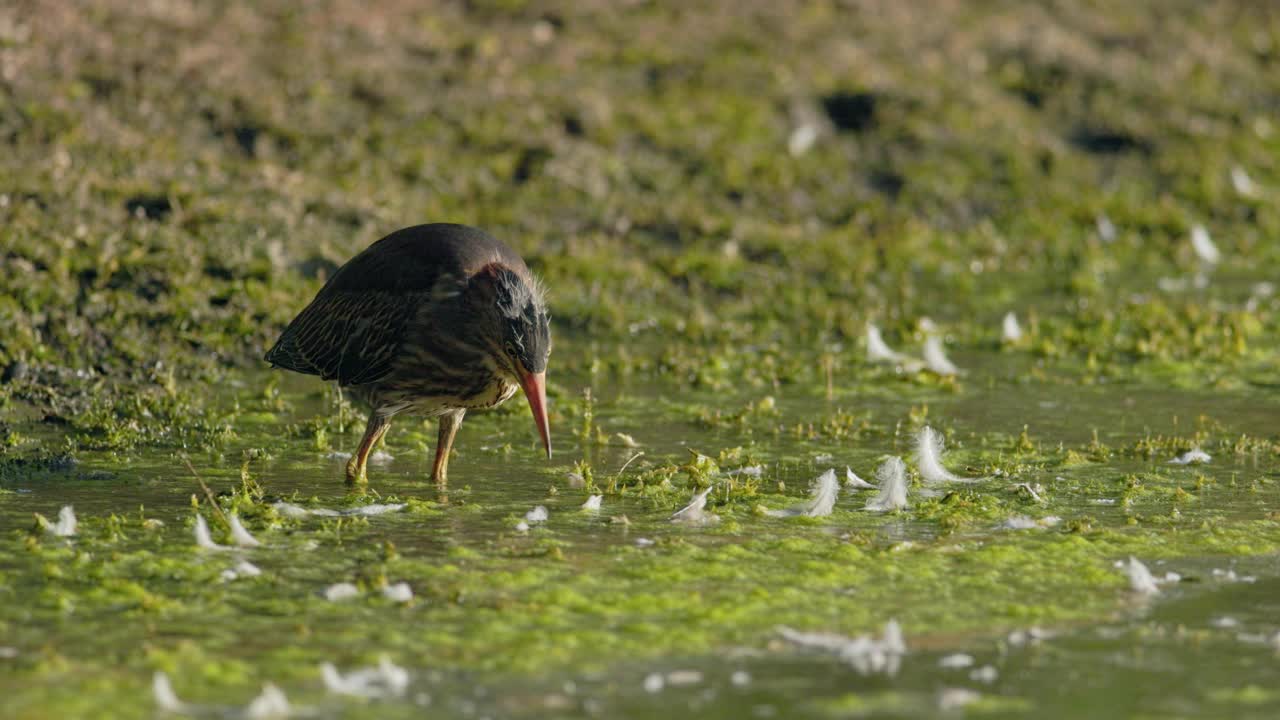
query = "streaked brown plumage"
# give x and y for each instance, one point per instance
(433, 319)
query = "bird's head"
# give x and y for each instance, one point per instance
(519, 336)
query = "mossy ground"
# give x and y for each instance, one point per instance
(180, 179)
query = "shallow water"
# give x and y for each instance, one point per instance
(587, 615)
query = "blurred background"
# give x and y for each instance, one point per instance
(692, 180)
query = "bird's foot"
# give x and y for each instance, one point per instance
(355, 473)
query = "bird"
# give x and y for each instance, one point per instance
(432, 320)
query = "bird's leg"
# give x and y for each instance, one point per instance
(449, 424)
(373, 432)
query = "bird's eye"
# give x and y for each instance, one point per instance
(511, 350)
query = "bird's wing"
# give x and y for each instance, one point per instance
(353, 329)
(351, 337)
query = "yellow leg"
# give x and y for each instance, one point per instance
(373, 432)
(449, 424)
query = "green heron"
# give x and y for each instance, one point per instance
(434, 320)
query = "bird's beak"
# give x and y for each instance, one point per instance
(535, 389)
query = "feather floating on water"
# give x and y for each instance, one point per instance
(1241, 181)
(537, 515)
(203, 539)
(244, 568)
(985, 674)
(892, 476)
(1106, 228)
(935, 358)
(866, 654)
(695, 512)
(338, 592)
(166, 699)
(239, 534)
(853, 482)
(1140, 579)
(384, 680)
(956, 661)
(822, 499)
(66, 525)
(1191, 457)
(1010, 330)
(929, 458)
(1204, 247)
(957, 698)
(290, 510)
(593, 503)
(801, 139)
(878, 351)
(399, 592)
(270, 704)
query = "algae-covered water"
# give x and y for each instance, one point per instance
(1076, 201)
(622, 613)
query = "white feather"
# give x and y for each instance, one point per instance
(822, 499)
(1203, 245)
(338, 592)
(1010, 330)
(290, 510)
(203, 539)
(935, 358)
(399, 592)
(878, 351)
(952, 698)
(166, 699)
(537, 515)
(385, 680)
(239, 535)
(866, 654)
(1191, 457)
(956, 661)
(1106, 229)
(244, 568)
(1241, 181)
(801, 139)
(929, 458)
(695, 512)
(66, 525)
(892, 476)
(1140, 579)
(271, 703)
(853, 482)
(593, 503)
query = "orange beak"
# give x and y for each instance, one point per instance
(535, 389)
